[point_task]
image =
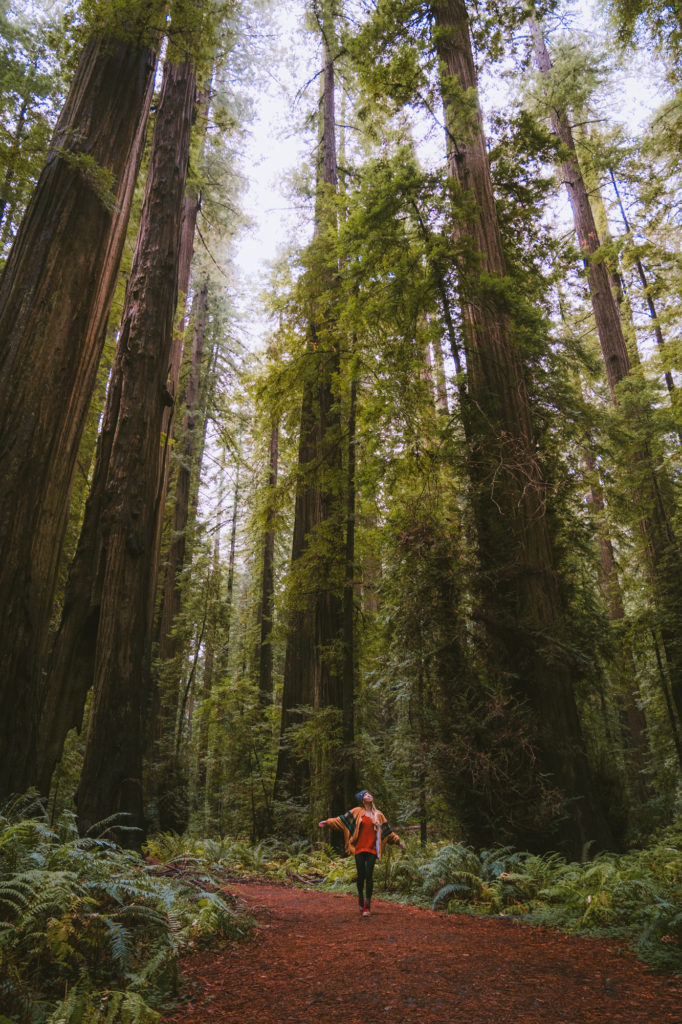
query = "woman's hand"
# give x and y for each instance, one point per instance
(321, 824)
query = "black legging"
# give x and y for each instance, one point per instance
(364, 863)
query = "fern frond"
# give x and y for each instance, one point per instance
(120, 942)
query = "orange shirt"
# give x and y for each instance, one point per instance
(367, 837)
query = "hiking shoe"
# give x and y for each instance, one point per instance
(366, 910)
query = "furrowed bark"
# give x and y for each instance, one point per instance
(108, 609)
(313, 666)
(649, 488)
(55, 295)
(521, 600)
(266, 609)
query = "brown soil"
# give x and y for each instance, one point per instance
(316, 959)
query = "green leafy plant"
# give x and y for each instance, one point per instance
(90, 932)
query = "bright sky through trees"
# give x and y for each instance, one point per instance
(277, 144)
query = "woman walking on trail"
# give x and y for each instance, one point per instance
(365, 832)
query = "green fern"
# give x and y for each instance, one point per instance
(85, 916)
(83, 1006)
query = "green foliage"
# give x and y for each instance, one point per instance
(82, 916)
(36, 50)
(82, 1006)
(661, 19)
(636, 897)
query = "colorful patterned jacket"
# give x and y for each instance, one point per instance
(349, 824)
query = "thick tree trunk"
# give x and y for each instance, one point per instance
(216, 661)
(313, 669)
(169, 784)
(300, 662)
(231, 565)
(55, 294)
(209, 793)
(266, 607)
(648, 487)
(190, 213)
(349, 656)
(520, 594)
(106, 625)
(186, 474)
(636, 745)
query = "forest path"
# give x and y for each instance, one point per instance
(316, 959)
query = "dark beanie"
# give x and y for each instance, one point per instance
(359, 796)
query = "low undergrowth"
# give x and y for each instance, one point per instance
(636, 896)
(91, 933)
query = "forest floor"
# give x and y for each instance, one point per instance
(314, 958)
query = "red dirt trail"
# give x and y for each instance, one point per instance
(316, 959)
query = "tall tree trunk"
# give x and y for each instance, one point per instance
(55, 294)
(625, 670)
(649, 489)
(266, 606)
(349, 655)
(230, 566)
(214, 589)
(171, 777)
(186, 475)
(106, 626)
(313, 671)
(217, 644)
(190, 213)
(300, 654)
(521, 600)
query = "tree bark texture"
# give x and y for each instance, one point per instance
(55, 295)
(649, 488)
(313, 666)
(636, 744)
(190, 212)
(221, 625)
(186, 475)
(349, 655)
(521, 601)
(266, 608)
(300, 659)
(104, 637)
(165, 683)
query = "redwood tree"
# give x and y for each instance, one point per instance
(105, 635)
(313, 667)
(648, 487)
(55, 294)
(267, 590)
(520, 598)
